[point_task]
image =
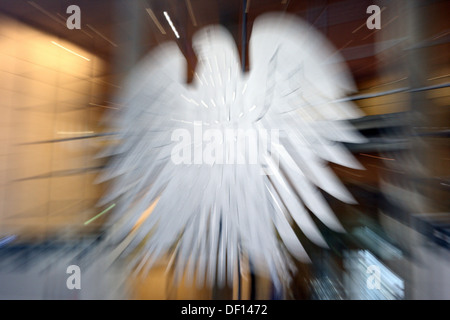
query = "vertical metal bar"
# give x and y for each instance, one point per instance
(244, 52)
(244, 35)
(126, 56)
(420, 152)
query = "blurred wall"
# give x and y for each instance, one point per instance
(48, 97)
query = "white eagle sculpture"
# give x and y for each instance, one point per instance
(233, 160)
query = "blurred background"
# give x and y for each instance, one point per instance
(57, 83)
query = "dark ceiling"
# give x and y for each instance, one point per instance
(113, 28)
